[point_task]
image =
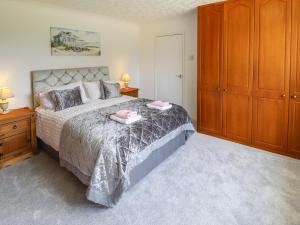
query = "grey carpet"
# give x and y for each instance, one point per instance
(208, 181)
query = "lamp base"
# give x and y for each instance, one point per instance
(126, 84)
(4, 107)
(5, 112)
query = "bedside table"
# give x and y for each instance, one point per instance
(134, 92)
(17, 136)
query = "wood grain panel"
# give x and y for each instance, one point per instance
(269, 123)
(15, 144)
(271, 73)
(210, 57)
(211, 46)
(294, 119)
(272, 31)
(237, 111)
(294, 128)
(210, 112)
(238, 43)
(13, 128)
(238, 69)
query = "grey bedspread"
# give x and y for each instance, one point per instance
(102, 152)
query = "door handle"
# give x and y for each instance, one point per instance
(225, 89)
(283, 95)
(179, 76)
(293, 96)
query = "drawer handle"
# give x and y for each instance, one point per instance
(1, 154)
(15, 127)
(1, 144)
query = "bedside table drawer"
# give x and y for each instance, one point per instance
(17, 136)
(132, 93)
(13, 128)
(15, 144)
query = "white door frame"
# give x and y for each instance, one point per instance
(183, 65)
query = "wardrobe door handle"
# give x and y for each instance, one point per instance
(293, 96)
(283, 95)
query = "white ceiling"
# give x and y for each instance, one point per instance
(132, 10)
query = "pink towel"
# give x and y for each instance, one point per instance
(160, 103)
(126, 114)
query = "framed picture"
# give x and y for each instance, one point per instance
(68, 42)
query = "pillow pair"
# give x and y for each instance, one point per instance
(74, 94)
(49, 102)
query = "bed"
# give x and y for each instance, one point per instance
(107, 156)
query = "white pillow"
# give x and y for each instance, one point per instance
(93, 89)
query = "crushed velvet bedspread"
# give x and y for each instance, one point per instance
(101, 152)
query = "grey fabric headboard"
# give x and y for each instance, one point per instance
(43, 80)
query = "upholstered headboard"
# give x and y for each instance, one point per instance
(43, 80)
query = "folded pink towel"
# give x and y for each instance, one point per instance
(160, 103)
(126, 114)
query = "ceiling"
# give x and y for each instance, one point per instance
(132, 10)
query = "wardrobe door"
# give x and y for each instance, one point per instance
(210, 21)
(294, 119)
(238, 69)
(271, 75)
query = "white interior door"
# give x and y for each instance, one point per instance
(169, 68)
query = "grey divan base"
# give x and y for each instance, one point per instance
(142, 169)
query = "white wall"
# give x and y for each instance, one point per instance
(186, 25)
(25, 45)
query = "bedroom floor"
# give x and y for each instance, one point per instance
(207, 181)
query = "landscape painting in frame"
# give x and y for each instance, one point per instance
(68, 42)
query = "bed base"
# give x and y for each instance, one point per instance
(141, 170)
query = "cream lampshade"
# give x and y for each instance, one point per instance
(5, 93)
(125, 78)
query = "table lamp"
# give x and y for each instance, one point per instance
(5, 93)
(125, 78)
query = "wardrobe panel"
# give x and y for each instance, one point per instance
(269, 119)
(238, 69)
(294, 119)
(211, 50)
(237, 110)
(210, 44)
(271, 73)
(294, 128)
(272, 37)
(210, 112)
(238, 43)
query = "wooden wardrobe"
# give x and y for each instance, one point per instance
(249, 73)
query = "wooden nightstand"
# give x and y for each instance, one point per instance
(134, 92)
(17, 136)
